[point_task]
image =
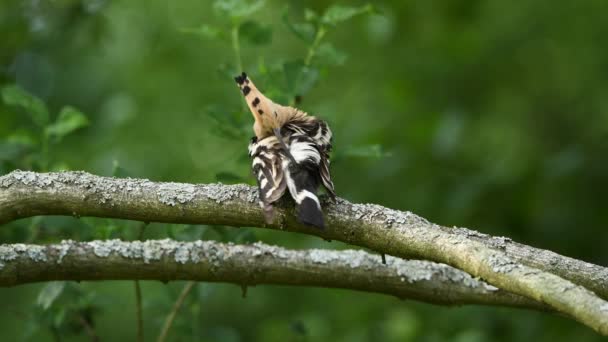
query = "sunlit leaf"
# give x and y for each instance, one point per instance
(368, 151)
(9, 151)
(59, 317)
(190, 232)
(22, 137)
(227, 71)
(336, 14)
(61, 166)
(226, 123)
(16, 96)
(228, 177)
(69, 120)
(299, 77)
(49, 293)
(255, 33)
(237, 9)
(16, 144)
(204, 31)
(245, 235)
(328, 54)
(310, 15)
(118, 170)
(31, 327)
(304, 31)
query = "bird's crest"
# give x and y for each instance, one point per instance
(267, 114)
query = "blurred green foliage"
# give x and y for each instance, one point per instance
(486, 114)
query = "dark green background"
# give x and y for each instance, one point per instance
(491, 115)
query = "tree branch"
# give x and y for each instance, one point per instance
(403, 234)
(249, 265)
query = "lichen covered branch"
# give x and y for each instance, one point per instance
(499, 261)
(248, 265)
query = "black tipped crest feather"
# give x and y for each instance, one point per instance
(240, 79)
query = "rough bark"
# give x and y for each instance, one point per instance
(249, 265)
(513, 267)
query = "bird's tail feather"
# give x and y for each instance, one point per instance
(302, 186)
(309, 212)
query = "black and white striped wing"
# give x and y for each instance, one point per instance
(268, 171)
(325, 175)
(323, 138)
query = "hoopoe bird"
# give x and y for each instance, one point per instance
(290, 151)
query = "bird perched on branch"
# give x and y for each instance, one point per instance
(290, 150)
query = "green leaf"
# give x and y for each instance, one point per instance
(204, 31)
(310, 15)
(229, 178)
(226, 123)
(16, 96)
(10, 151)
(328, 54)
(369, 151)
(119, 171)
(69, 120)
(172, 231)
(22, 137)
(255, 33)
(60, 166)
(336, 14)
(59, 317)
(304, 31)
(300, 78)
(49, 293)
(237, 9)
(245, 235)
(15, 145)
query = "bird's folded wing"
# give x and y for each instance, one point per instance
(266, 166)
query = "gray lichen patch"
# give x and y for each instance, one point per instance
(414, 271)
(173, 193)
(37, 253)
(258, 249)
(26, 178)
(182, 253)
(468, 232)
(375, 212)
(499, 242)
(320, 256)
(12, 252)
(7, 253)
(355, 259)
(63, 249)
(104, 187)
(155, 250)
(221, 193)
(359, 259)
(502, 264)
(410, 271)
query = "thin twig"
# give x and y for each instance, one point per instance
(88, 328)
(171, 316)
(138, 312)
